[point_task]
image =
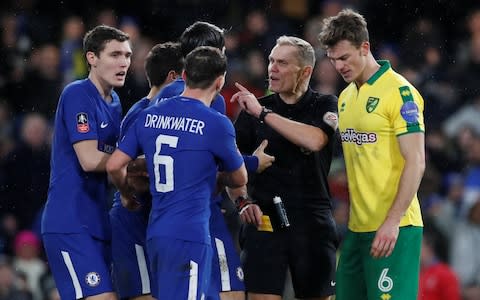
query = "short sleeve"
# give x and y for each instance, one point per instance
(327, 114)
(79, 114)
(407, 114)
(224, 146)
(129, 142)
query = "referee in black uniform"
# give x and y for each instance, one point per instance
(300, 127)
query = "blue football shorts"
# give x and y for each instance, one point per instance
(180, 269)
(79, 263)
(130, 261)
(227, 272)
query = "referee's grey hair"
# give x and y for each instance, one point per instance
(306, 54)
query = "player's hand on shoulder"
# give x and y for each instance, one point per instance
(264, 160)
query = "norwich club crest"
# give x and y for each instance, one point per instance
(372, 103)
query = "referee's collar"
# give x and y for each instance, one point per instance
(304, 100)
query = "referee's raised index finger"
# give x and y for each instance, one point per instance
(241, 87)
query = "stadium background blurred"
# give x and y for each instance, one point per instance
(435, 44)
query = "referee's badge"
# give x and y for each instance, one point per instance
(92, 279)
(372, 103)
(331, 119)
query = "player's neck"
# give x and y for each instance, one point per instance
(204, 96)
(294, 96)
(103, 88)
(153, 91)
(371, 68)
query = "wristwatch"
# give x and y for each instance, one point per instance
(265, 111)
(241, 202)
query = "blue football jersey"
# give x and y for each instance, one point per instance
(183, 141)
(77, 200)
(127, 122)
(176, 87)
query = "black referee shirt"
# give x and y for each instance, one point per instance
(298, 176)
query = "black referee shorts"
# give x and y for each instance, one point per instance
(310, 253)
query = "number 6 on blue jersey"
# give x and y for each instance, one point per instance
(165, 160)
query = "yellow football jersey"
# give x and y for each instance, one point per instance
(370, 120)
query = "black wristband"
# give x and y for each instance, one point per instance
(265, 111)
(241, 202)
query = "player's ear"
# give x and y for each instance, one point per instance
(184, 75)
(91, 57)
(307, 72)
(219, 82)
(365, 48)
(171, 76)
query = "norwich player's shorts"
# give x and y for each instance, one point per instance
(360, 276)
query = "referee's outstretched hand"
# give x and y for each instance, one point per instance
(264, 160)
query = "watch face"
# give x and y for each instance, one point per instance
(263, 113)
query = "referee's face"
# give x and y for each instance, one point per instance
(284, 69)
(348, 60)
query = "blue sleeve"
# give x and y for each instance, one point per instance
(172, 89)
(224, 146)
(129, 142)
(218, 104)
(79, 114)
(132, 115)
(251, 163)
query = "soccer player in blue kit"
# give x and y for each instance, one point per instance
(75, 226)
(227, 274)
(185, 142)
(163, 64)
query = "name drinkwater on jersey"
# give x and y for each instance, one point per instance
(175, 123)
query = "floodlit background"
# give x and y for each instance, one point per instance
(435, 44)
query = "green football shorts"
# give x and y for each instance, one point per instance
(362, 277)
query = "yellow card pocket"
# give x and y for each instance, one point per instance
(266, 224)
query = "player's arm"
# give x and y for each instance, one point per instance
(90, 158)
(233, 179)
(117, 169)
(300, 134)
(248, 211)
(412, 148)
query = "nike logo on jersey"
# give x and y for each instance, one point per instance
(332, 283)
(103, 125)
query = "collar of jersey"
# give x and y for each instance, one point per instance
(182, 98)
(384, 66)
(299, 105)
(95, 91)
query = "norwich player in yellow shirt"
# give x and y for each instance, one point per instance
(382, 131)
